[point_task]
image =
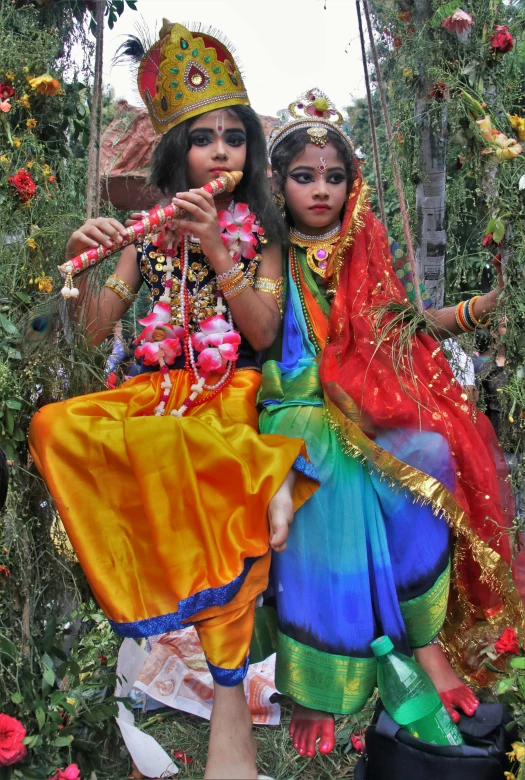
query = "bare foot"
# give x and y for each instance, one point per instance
(452, 691)
(232, 752)
(308, 726)
(280, 513)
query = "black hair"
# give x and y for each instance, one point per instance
(169, 169)
(294, 145)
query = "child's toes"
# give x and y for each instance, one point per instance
(278, 533)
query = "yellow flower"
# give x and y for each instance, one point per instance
(407, 72)
(46, 170)
(31, 243)
(25, 69)
(30, 164)
(499, 144)
(518, 123)
(46, 85)
(25, 101)
(10, 76)
(4, 158)
(31, 123)
(485, 127)
(518, 749)
(71, 701)
(17, 142)
(45, 285)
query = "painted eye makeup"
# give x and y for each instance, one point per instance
(235, 137)
(338, 177)
(201, 137)
(302, 177)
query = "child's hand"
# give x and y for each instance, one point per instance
(103, 230)
(202, 223)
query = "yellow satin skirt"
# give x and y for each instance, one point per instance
(168, 516)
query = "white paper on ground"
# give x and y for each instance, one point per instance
(150, 759)
(176, 674)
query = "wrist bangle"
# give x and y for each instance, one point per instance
(477, 323)
(232, 292)
(467, 312)
(461, 319)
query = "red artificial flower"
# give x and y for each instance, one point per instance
(71, 772)
(24, 184)
(488, 240)
(103, 659)
(398, 42)
(404, 17)
(502, 40)
(4, 572)
(184, 758)
(508, 642)
(12, 734)
(6, 91)
(111, 381)
(358, 741)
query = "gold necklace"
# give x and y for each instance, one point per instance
(318, 248)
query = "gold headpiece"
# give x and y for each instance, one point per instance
(314, 112)
(186, 74)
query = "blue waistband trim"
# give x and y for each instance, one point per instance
(229, 677)
(188, 608)
(306, 468)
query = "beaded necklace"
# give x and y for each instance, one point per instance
(296, 276)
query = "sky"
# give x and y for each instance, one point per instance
(284, 46)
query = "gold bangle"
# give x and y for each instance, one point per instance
(232, 292)
(122, 288)
(272, 287)
(231, 283)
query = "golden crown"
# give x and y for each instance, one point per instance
(314, 112)
(186, 74)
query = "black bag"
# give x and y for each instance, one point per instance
(394, 754)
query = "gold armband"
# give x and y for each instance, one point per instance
(273, 287)
(121, 287)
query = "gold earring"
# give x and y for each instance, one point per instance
(280, 202)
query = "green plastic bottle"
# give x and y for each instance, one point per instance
(410, 697)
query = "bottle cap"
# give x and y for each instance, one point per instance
(382, 646)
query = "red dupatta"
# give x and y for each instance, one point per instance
(377, 376)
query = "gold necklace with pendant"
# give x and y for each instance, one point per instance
(318, 248)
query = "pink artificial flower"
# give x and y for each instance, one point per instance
(5, 106)
(151, 351)
(502, 41)
(12, 734)
(460, 23)
(71, 772)
(159, 320)
(239, 231)
(217, 343)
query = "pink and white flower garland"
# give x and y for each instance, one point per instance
(217, 341)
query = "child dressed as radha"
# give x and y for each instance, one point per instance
(406, 535)
(164, 484)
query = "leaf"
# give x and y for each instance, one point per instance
(40, 717)
(17, 698)
(518, 663)
(62, 741)
(11, 404)
(9, 421)
(492, 668)
(7, 647)
(505, 685)
(14, 354)
(22, 296)
(49, 676)
(499, 230)
(8, 326)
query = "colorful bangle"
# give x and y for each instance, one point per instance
(121, 287)
(477, 323)
(272, 287)
(467, 313)
(461, 319)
